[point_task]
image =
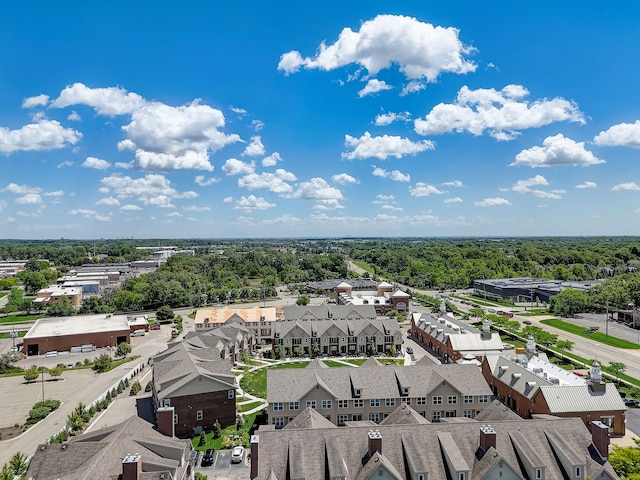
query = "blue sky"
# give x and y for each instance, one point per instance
(286, 119)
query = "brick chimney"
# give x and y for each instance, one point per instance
(487, 437)
(375, 442)
(164, 419)
(600, 438)
(131, 467)
(255, 443)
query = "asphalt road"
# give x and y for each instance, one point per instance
(76, 386)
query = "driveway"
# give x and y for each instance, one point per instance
(222, 467)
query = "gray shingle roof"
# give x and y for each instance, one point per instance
(98, 455)
(286, 385)
(420, 447)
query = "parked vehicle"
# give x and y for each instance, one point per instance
(207, 458)
(410, 350)
(631, 402)
(138, 333)
(237, 455)
(154, 327)
(527, 322)
(508, 346)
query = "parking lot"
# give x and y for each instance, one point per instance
(222, 467)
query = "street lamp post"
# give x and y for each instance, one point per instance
(42, 377)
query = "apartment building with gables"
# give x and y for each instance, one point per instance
(338, 337)
(371, 392)
(452, 339)
(194, 377)
(258, 320)
(408, 448)
(530, 385)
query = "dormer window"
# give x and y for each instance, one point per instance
(357, 392)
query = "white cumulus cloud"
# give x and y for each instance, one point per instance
(587, 185)
(255, 147)
(97, 163)
(383, 147)
(501, 113)
(524, 186)
(344, 179)
(557, 151)
(385, 119)
(233, 166)
(110, 201)
(319, 190)
(251, 203)
(272, 160)
(37, 101)
(492, 202)
(629, 186)
(453, 183)
(106, 101)
(421, 50)
(374, 86)
(152, 189)
(623, 134)
(422, 189)
(274, 182)
(453, 200)
(37, 137)
(205, 182)
(30, 199)
(395, 175)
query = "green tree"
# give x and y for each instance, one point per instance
(303, 300)
(564, 346)
(62, 308)
(200, 476)
(626, 462)
(55, 372)
(103, 363)
(92, 305)
(476, 312)
(19, 464)
(32, 373)
(164, 313)
(217, 429)
(6, 473)
(202, 441)
(617, 368)
(569, 302)
(123, 349)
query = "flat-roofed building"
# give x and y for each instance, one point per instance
(526, 289)
(54, 293)
(56, 334)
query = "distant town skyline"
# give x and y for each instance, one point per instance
(356, 119)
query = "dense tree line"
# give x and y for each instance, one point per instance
(456, 263)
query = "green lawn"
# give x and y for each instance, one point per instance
(248, 406)
(595, 336)
(6, 334)
(255, 383)
(19, 318)
(365, 266)
(224, 441)
(333, 363)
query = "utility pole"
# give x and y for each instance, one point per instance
(606, 322)
(42, 376)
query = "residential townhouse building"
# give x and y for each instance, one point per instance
(452, 339)
(132, 450)
(530, 385)
(338, 337)
(194, 377)
(371, 392)
(258, 320)
(405, 447)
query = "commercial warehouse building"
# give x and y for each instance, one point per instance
(525, 289)
(59, 334)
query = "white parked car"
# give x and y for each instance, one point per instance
(237, 455)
